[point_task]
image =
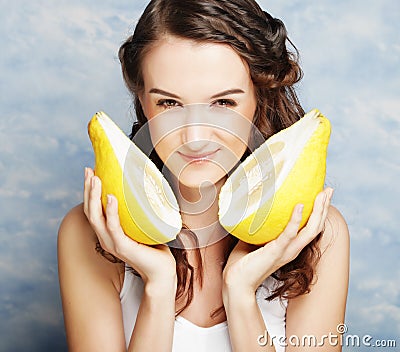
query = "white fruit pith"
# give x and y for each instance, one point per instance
(257, 199)
(147, 207)
(255, 203)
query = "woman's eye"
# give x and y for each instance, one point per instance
(167, 103)
(225, 103)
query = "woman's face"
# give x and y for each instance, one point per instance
(200, 102)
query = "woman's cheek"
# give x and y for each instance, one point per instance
(166, 146)
(234, 143)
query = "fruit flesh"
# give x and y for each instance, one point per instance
(290, 169)
(255, 203)
(123, 169)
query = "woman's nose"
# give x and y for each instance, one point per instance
(196, 130)
(195, 136)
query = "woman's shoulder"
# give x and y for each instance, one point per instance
(75, 220)
(75, 232)
(77, 249)
(336, 231)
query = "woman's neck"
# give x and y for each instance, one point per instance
(199, 212)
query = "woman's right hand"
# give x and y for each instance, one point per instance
(155, 264)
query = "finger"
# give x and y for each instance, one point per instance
(312, 228)
(86, 189)
(112, 218)
(292, 228)
(95, 210)
(96, 216)
(124, 247)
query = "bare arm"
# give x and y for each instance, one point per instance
(155, 323)
(246, 323)
(247, 268)
(89, 289)
(90, 285)
(311, 316)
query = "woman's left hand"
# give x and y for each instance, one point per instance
(249, 265)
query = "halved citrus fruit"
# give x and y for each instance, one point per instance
(147, 207)
(258, 198)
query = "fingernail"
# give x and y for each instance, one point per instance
(109, 199)
(93, 182)
(300, 209)
(86, 172)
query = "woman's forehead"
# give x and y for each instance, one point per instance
(181, 64)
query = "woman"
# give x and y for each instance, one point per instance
(227, 54)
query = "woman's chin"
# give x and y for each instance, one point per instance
(198, 181)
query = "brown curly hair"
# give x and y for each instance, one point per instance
(261, 41)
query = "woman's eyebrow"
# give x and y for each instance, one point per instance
(163, 92)
(221, 94)
(227, 92)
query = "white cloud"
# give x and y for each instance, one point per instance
(381, 314)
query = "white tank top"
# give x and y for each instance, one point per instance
(194, 338)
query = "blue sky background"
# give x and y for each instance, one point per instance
(58, 64)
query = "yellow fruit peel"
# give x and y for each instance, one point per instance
(255, 203)
(122, 168)
(300, 184)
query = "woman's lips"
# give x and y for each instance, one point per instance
(196, 158)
